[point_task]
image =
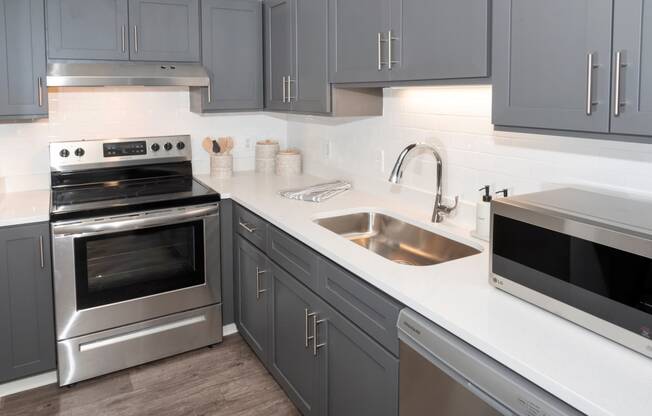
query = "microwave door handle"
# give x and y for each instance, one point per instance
(131, 223)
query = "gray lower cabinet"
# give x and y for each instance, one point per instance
(23, 92)
(232, 52)
(164, 30)
(27, 341)
(252, 296)
(439, 39)
(278, 54)
(632, 79)
(552, 64)
(88, 29)
(292, 361)
(361, 376)
(357, 46)
(329, 339)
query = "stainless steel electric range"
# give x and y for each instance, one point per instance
(136, 253)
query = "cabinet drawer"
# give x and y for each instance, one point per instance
(299, 260)
(251, 227)
(373, 311)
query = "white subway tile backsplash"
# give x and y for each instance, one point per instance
(457, 120)
(119, 112)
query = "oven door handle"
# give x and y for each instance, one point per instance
(132, 223)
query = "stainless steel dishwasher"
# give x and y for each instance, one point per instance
(442, 375)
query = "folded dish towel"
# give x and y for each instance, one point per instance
(317, 193)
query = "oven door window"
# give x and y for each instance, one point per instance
(127, 265)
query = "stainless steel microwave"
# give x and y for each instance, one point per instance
(582, 255)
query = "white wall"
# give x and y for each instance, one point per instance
(457, 120)
(119, 112)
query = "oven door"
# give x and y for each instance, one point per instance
(110, 272)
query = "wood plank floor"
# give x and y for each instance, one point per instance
(227, 380)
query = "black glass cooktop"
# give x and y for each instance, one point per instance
(118, 190)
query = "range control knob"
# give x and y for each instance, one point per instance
(156, 147)
(181, 145)
(168, 146)
(79, 152)
(64, 153)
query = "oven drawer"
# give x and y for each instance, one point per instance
(251, 227)
(116, 349)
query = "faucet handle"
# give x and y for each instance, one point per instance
(446, 209)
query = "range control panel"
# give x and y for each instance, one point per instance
(86, 154)
(125, 149)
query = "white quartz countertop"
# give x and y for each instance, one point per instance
(589, 372)
(24, 207)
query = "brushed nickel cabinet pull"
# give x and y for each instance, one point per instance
(380, 41)
(40, 91)
(390, 50)
(249, 228)
(259, 272)
(124, 38)
(284, 97)
(40, 243)
(136, 38)
(210, 91)
(590, 67)
(290, 97)
(308, 336)
(315, 342)
(619, 66)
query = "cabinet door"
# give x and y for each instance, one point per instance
(309, 88)
(232, 52)
(439, 39)
(164, 30)
(358, 32)
(23, 90)
(88, 29)
(633, 80)
(361, 376)
(541, 74)
(278, 53)
(27, 343)
(291, 356)
(252, 296)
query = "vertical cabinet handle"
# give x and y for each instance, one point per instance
(309, 337)
(259, 272)
(390, 50)
(619, 66)
(380, 41)
(315, 343)
(290, 81)
(590, 67)
(136, 38)
(40, 244)
(210, 91)
(124, 38)
(284, 97)
(39, 84)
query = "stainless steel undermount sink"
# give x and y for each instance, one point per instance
(395, 239)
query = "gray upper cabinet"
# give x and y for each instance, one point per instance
(88, 29)
(22, 59)
(252, 274)
(357, 40)
(278, 54)
(292, 358)
(552, 64)
(439, 39)
(232, 52)
(632, 80)
(27, 342)
(309, 88)
(164, 30)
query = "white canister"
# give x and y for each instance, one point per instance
(266, 156)
(288, 163)
(222, 165)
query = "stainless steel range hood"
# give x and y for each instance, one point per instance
(126, 74)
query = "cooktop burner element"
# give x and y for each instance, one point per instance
(92, 178)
